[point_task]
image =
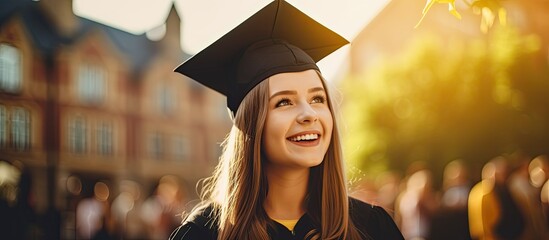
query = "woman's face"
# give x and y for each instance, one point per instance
(299, 123)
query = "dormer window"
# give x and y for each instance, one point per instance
(10, 69)
(91, 84)
(165, 99)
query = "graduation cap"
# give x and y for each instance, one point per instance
(278, 38)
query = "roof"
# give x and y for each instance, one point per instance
(138, 49)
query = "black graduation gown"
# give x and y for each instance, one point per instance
(373, 222)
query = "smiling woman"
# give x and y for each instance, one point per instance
(298, 126)
(281, 173)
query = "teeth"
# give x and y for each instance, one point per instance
(311, 136)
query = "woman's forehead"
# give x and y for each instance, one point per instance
(294, 81)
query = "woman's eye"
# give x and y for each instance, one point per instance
(283, 102)
(318, 99)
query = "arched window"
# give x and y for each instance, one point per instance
(3, 126)
(10, 68)
(180, 148)
(20, 129)
(156, 143)
(78, 135)
(105, 139)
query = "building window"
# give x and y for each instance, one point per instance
(155, 146)
(105, 139)
(10, 69)
(91, 84)
(20, 129)
(78, 136)
(3, 126)
(165, 99)
(180, 148)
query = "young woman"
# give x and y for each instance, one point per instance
(281, 173)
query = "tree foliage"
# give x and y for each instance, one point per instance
(473, 101)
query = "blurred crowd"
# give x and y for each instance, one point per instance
(129, 215)
(98, 213)
(510, 201)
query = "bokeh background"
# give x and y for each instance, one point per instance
(445, 125)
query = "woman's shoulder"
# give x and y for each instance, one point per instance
(200, 224)
(364, 209)
(373, 220)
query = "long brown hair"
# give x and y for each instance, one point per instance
(239, 186)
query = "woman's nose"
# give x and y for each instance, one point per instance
(307, 114)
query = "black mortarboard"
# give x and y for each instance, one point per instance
(278, 38)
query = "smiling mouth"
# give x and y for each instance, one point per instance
(305, 138)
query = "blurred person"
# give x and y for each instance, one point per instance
(18, 216)
(161, 210)
(92, 214)
(450, 220)
(388, 188)
(281, 173)
(410, 170)
(493, 213)
(525, 185)
(25, 218)
(456, 185)
(9, 178)
(125, 221)
(135, 226)
(545, 201)
(416, 205)
(538, 171)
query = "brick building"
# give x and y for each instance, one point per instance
(82, 100)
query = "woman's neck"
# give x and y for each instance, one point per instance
(287, 192)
